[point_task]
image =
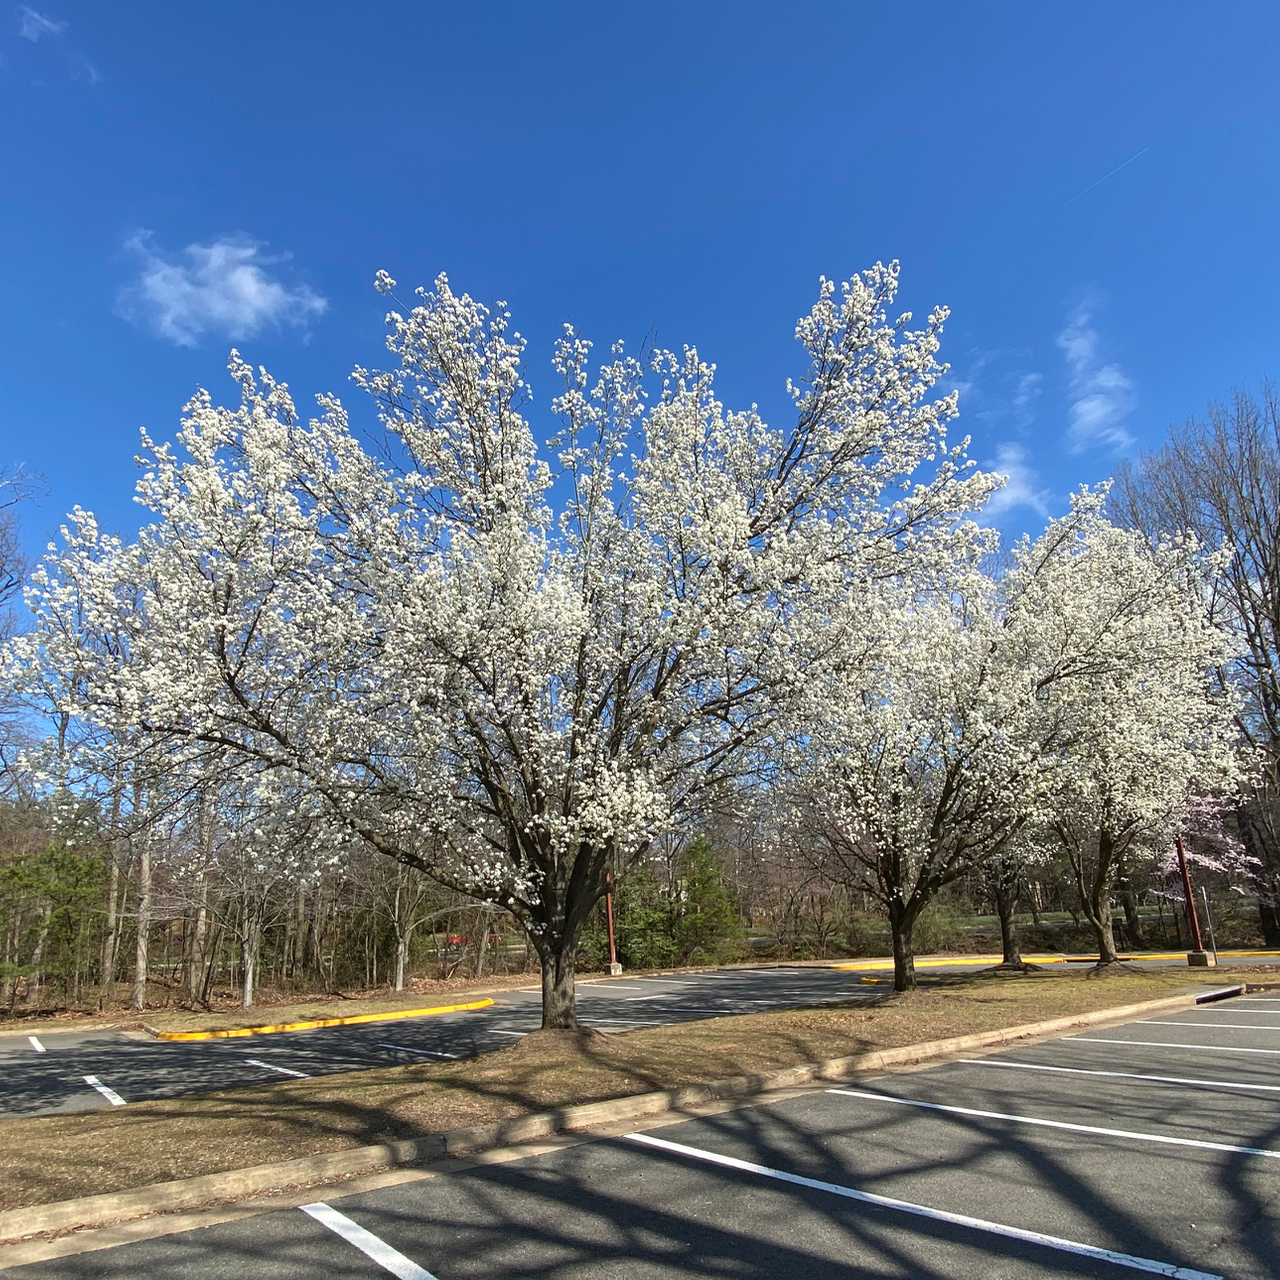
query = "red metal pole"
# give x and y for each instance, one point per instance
(1192, 919)
(608, 910)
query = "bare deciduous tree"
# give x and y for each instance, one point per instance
(1219, 477)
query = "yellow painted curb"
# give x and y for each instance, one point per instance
(321, 1022)
(941, 964)
(981, 960)
(1170, 955)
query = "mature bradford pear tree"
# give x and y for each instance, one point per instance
(508, 670)
(913, 766)
(1125, 652)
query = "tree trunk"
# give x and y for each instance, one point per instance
(1269, 922)
(559, 995)
(199, 935)
(1132, 920)
(1033, 899)
(249, 961)
(1095, 896)
(138, 996)
(1006, 895)
(250, 936)
(403, 911)
(111, 934)
(483, 945)
(1100, 919)
(1099, 903)
(211, 967)
(901, 924)
(402, 955)
(35, 975)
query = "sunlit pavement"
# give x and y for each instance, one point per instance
(53, 1078)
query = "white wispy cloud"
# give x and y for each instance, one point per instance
(223, 288)
(1022, 484)
(33, 26)
(1102, 394)
(83, 69)
(1023, 397)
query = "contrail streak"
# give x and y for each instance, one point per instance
(1103, 179)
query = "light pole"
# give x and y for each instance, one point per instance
(1199, 958)
(614, 967)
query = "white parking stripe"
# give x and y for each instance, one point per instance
(936, 1215)
(1227, 1026)
(284, 1071)
(1237, 1010)
(404, 1048)
(1169, 1044)
(371, 1246)
(36, 1045)
(498, 1031)
(699, 1009)
(1128, 1134)
(1121, 1075)
(110, 1094)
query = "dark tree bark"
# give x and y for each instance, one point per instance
(559, 992)
(1006, 905)
(1269, 920)
(554, 921)
(1095, 892)
(902, 923)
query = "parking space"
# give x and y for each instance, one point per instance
(49, 1076)
(1150, 1148)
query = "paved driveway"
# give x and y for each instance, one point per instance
(47, 1074)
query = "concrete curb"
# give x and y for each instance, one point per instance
(87, 1028)
(390, 1016)
(237, 1184)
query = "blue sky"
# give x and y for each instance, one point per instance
(1092, 188)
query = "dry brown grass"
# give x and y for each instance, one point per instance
(57, 1157)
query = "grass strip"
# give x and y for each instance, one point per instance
(48, 1158)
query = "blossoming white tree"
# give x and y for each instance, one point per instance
(510, 670)
(1124, 653)
(1070, 691)
(913, 765)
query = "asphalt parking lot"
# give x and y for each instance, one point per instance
(51, 1073)
(1147, 1148)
